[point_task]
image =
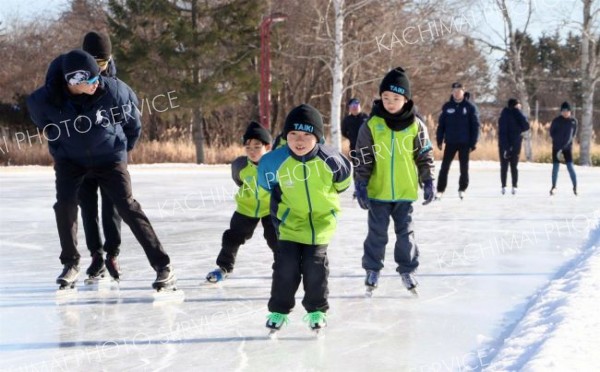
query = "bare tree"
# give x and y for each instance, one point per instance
(590, 74)
(512, 50)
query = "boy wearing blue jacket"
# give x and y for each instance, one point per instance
(304, 178)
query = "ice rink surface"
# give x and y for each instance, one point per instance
(484, 261)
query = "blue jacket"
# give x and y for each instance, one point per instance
(88, 130)
(563, 132)
(458, 123)
(511, 124)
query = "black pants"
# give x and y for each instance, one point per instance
(293, 262)
(463, 157)
(513, 162)
(240, 230)
(115, 182)
(111, 221)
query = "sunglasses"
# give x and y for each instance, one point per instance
(90, 81)
(102, 63)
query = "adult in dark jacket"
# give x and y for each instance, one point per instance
(511, 125)
(353, 121)
(90, 123)
(99, 46)
(458, 127)
(562, 131)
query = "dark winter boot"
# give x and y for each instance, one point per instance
(112, 265)
(165, 277)
(96, 268)
(69, 275)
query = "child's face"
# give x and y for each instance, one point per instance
(255, 149)
(393, 102)
(301, 143)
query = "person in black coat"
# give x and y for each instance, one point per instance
(511, 125)
(90, 122)
(562, 131)
(458, 127)
(353, 121)
(99, 46)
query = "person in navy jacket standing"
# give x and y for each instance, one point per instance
(90, 122)
(511, 125)
(99, 46)
(458, 127)
(562, 131)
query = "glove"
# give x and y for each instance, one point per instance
(360, 194)
(507, 153)
(439, 146)
(559, 155)
(428, 193)
(473, 148)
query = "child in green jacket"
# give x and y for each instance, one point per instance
(393, 156)
(304, 179)
(252, 203)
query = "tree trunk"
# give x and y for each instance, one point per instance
(338, 76)
(589, 72)
(198, 134)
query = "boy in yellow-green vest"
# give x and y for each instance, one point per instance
(304, 178)
(393, 156)
(252, 202)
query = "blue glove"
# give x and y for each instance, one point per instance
(428, 193)
(360, 194)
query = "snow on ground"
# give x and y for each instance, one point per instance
(506, 283)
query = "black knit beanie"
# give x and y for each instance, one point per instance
(396, 81)
(304, 118)
(79, 66)
(513, 102)
(258, 132)
(97, 44)
(565, 106)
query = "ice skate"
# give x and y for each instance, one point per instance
(552, 191)
(96, 271)
(438, 195)
(371, 281)
(274, 322)
(68, 277)
(217, 275)
(165, 279)
(461, 195)
(503, 190)
(410, 283)
(514, 191)
(317, 320)
(575, 191)
(112, 265)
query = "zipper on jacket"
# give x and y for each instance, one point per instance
(393, 191)
(312, 227)
(257, 198)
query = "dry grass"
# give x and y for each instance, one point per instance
(178, 151)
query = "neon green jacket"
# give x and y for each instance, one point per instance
(251, 200)
(393, 162)
(304, 192)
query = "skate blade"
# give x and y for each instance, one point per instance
(170, 295)
(319, 333)
(369, 292)
(273, 334)
(101, 284)
(414, 292)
